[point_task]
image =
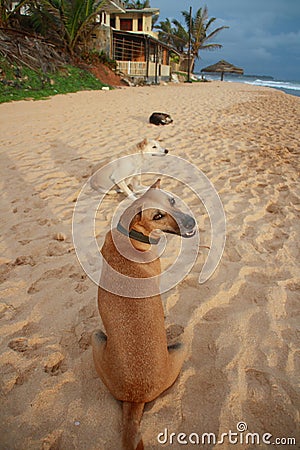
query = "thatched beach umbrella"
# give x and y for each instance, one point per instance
(223, 67)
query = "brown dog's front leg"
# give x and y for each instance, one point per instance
(173, 332)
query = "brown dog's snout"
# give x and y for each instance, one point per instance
(185, 222)
(189, 222)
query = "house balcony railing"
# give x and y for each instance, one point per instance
(139, 69)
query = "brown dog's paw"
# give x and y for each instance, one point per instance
(173, 332)
(99, 336)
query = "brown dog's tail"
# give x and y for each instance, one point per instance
(132, 415)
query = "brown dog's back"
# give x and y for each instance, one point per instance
(136, 343)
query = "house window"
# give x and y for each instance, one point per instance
(113, 22)
(140, 24)
(126, 24)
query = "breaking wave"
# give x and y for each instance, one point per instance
(288, 85)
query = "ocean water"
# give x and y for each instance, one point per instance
(289, 87)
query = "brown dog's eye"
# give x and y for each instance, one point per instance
(158, 216)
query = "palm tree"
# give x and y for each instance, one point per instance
(199, 28)
(137, 4)
(70, 19)
(172, 35)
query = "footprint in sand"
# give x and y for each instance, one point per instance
(273, 208)
(259, 390)
(275, 242)
(6, 268)
(84, 341)
(56, 249)
(52, 440)
(24, 345)
(56, 274)
(81, 288)
(19, 345)
(54, 364)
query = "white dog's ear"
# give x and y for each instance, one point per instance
(141, 145)
(158, 137)
(156, 185)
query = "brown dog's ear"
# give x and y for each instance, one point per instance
(156, 185)
(136, 219)
(141, 145)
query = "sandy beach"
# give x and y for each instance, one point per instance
(241, 326)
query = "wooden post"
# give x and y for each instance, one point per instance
(189, 49)
(156, 63)
(147, 52)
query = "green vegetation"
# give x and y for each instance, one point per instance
(94, 57)
(38, 66)
(24, 83)
(137, 4)
(70, 21)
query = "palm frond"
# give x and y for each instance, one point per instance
(215, 32)
(211, 46)
(91, 13)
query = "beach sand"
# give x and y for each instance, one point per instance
(241, 326)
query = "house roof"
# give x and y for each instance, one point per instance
(115, 6)
(153, 11)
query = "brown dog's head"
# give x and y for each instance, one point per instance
(157, 210)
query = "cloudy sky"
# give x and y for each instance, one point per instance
(263, 38)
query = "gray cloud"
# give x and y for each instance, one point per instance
(263, 38)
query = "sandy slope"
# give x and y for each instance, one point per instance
(242, 325)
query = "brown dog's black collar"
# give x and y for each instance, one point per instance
(137, 236)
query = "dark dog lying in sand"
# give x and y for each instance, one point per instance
(158, 118)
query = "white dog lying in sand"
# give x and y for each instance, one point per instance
(120, 172)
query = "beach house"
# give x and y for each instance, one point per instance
(126, 35)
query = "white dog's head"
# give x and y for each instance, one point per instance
(152, 146)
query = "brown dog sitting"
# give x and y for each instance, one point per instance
(133, 358)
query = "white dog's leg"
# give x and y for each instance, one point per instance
(125, 189)
(103, 191)
(137, 184)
